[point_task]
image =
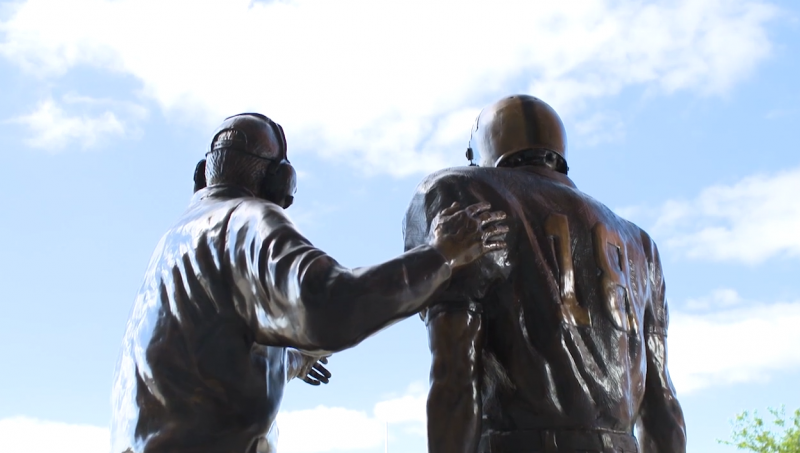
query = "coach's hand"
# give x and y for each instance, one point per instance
(316, 373)
(464, 235)
(307, 367)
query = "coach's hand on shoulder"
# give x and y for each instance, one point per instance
(464, 235)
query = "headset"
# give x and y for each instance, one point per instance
(280, 184)
(470, 156)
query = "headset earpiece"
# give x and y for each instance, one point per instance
(200, 175)
(471, 157)
(280, 184)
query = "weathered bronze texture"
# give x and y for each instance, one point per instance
(559, 346)
(233, 284)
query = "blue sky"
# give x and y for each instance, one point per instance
(681, 115)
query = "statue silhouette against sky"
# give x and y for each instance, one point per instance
(233, 284)
(559, 346)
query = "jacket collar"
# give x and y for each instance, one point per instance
(547, 173)
(221, 191)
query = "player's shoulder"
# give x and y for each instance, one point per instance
(450, 176)
(439, 189)
(460, 182)
(648, 244)
(643, 237)
(635, 230)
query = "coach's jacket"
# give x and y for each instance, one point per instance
(229, 286)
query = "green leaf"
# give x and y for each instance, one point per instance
(779, 435)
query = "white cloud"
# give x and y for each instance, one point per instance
(409, 407)
(602, 127)
(29, 435)
(130, 109)
(334, 428)
(750, 221)
(779, 113)
(53, 129)
(339, 429)
(388, 84)
(719, 298)
(732, 341)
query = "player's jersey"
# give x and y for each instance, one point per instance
(565, 331)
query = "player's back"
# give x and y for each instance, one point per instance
(565, 330)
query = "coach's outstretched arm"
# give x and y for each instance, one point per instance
(306, 300)
(661, 427)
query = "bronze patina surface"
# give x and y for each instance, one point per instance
(233, 284)
(560, 345)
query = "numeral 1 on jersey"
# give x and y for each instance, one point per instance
(557, 229)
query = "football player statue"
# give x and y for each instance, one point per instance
(568, 353)
(233, 284)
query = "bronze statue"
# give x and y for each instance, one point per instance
(561, 345)
(233, 284)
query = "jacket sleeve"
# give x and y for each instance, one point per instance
(293, 294)
(661, 427)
